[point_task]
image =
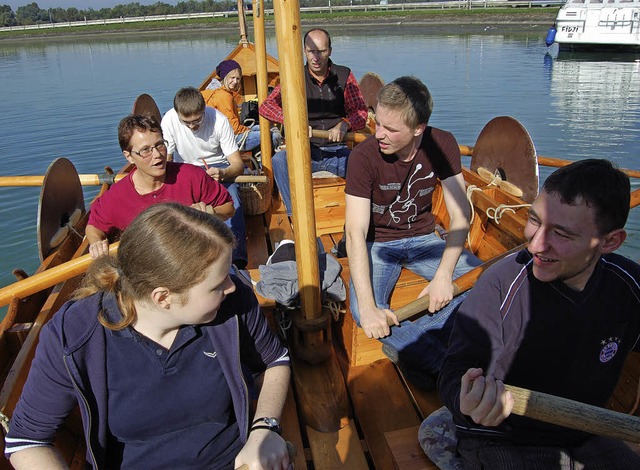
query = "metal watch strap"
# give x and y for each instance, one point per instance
(275, 429)
(271, 424)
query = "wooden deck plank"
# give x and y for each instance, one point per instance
(263, 301)
(425, 402)
(291, 430)
(406, 450)
(337, 450)
(279, 227)
(381, 404)
(257, 248)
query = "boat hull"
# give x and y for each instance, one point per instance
(589, 25)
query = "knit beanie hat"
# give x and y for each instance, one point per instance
(225, 67)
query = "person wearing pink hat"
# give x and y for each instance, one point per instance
(227, 98)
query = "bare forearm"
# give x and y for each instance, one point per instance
(38, 457)
(235, 168)
(94, 234)
(459, 213)
(274, 392)
(359, 269)
(456, 238)
(225, 211)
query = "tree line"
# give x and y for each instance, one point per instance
(33, 14)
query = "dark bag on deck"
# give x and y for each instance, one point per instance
(249, 112)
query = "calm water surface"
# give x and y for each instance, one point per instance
(65, 98)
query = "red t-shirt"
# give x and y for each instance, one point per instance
(184, 183)
(401, 192)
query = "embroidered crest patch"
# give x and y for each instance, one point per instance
(609, 349)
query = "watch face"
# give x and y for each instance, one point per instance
(271, 421)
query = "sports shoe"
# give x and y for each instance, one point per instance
(420, 378)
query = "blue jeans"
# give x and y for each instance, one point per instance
(253, 139)
(236, 223)
(332, 159)
(421, 343)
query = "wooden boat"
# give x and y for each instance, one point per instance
(348, 406)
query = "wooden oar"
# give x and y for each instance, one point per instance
(575, 415)
(85, 180)
(356, 137)
(104, 178)
(557, 163)
(462, 284)
(48, 278)
(551, 162)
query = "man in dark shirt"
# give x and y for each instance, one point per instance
(559, 317)
(390, 225)
(334, 103)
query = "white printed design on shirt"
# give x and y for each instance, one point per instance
(407, 207)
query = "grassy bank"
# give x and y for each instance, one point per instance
(509, 18)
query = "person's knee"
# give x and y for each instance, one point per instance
(280, 158)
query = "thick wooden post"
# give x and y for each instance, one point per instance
(263, 83)
(289, 38)
(242, 20)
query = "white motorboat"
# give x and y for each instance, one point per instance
(597, 25)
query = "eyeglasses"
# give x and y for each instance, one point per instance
(193, 122)
(147, 152)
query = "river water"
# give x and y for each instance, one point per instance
(64, 97)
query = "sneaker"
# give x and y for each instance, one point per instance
(285, 251)
(420, 378)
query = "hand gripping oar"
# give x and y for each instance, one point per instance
(48, 278)
(356, 137)
(104, 178)
(462, 284)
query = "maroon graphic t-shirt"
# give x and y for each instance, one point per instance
(401, 192)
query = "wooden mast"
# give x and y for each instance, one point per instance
(242, 20)
(320, 387)
(262, 82)
(311, 338)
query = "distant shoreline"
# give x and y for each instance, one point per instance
(473, 21)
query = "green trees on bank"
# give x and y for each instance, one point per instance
(32, 14)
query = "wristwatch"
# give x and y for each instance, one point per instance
(271, 424)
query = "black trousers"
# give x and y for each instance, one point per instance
(599, 453)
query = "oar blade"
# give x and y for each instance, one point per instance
(504, 146)
(60, 198)
(145, 104)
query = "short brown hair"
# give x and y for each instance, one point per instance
(409, 96)
(188, 101)
(135, 122)
(167, 245)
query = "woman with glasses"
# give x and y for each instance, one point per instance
(153, 180)
(227, 98)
